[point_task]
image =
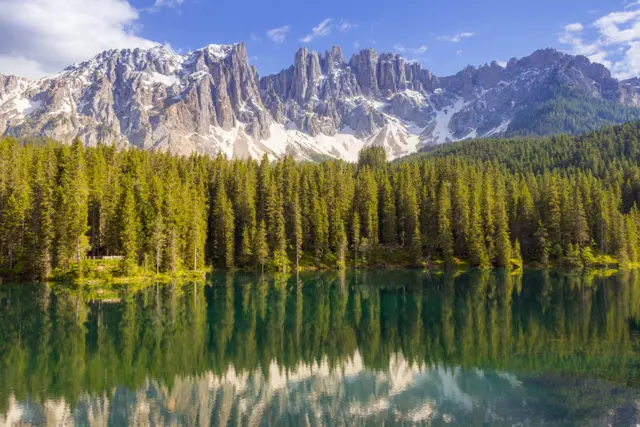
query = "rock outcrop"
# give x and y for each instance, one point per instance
(212, 101)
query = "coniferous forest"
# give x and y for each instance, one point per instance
(539, 201)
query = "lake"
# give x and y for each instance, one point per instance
(344, 349)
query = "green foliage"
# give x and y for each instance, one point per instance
(563, 200)
(76, 344)
(569, 111)
(373, 158)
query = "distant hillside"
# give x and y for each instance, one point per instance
(593, 151)
(566, 110)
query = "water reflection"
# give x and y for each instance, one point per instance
(328, 349)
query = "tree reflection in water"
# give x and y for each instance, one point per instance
(401, 347)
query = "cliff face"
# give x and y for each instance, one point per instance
(212, 101)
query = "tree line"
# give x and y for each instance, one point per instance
(61, 204)
(565, 110)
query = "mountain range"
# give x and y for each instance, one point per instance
(213, 101)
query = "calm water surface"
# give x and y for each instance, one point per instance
(375, 348)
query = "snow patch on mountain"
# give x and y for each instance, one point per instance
(212, 101)
(26, 106)
(163, 80)
(442, 130)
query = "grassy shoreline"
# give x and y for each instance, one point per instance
(113, 271)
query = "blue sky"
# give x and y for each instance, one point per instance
(444, 36)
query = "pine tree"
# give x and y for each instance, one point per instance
(542, 243)
(367, 203)
(477, 250)
(502, 239)
(72, 207)
(42, 214)
(445, 237)
(246, 251)
(261, 250)
(342, 245)
(11, 226)
(517, 254)
(224, 223)
(319, 226)
(622, 253)
(525, 223)
(460, 221)
(197, 223)
(416, 246)
(355, 236)
(388, 215)
(130, 228)
(488, 203)
(580, 228)
(552, 215)
(96, 168)
(297, 224)
(373, 157)
(280, 260)
(158, 239)
(409, 212)
(633, 244)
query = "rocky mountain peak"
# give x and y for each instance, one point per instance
(542, 58)
(212, 100)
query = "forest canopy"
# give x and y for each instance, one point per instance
(565, 199)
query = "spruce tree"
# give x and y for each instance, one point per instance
(355, 236)
(477, 250)
(460, 212)
(224, 223)
(579, 228)
(261, 249)
(502, 238)
(42, 214)
(517, 254)
(129, 228)
(72, 207)
(298, 236)
(445, 237)
(158, 240)
(280, 260)
(388, 215)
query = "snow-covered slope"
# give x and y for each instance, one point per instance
(212, 101)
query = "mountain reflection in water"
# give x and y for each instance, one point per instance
(372, 348)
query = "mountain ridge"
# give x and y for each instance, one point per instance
(213, 101)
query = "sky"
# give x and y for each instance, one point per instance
(41, 37)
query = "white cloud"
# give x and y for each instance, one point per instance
(253, 59)
(320, 30)
(167, 3)
(610, 27)
(459, 52)
(574, 28)
(416, 51)
(346, 26)
(278, 35)
(255, 38)
(356, 45)
(613, 40)
(455, 38)
(40, 37)
(501, 63)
